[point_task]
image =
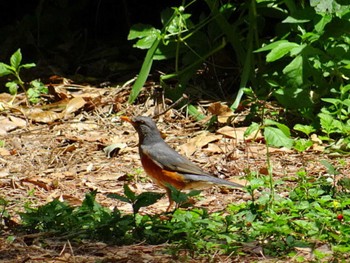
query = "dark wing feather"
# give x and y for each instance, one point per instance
(169, 159)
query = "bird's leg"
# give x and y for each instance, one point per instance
(171, 201)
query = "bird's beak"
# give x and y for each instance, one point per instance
(125, 118)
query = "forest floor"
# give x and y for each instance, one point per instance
(50, 153)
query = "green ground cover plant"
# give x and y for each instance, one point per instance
(33, 90)
(303, 63)
(314, 212)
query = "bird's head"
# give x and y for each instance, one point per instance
(145, 127)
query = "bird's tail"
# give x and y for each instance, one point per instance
(211, 179)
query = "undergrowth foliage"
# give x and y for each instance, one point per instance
(295, 52)
(314, 212)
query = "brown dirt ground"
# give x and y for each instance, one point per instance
(65, 160)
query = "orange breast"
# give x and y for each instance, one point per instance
(160, 176)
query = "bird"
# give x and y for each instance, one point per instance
(165, 166)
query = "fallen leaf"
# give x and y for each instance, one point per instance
(238, 133)
(4, 152)
(74, 105)
(40, 182)
(198, 142)
(214, 148)
(314, 138)
(223, 112)
(18, 121)
(7, 125)
(44, 116)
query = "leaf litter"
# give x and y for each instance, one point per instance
(57, 150)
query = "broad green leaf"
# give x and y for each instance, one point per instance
(271, 46)
(253, 128)
(326, 18)
(141, 31)
(177, 196)
(145, 43)
(294, 71)
(277, 138)
(146, 199)
(119, 197)
(128, 193)
(29, 65)
(282, 127)
(329, 124)
(192, 110)
(280, 51)
(307, 129)
(5, 69)
(16, 59)
(331, 169)
(146, 33)
(295, 20)
(302, 145)
(13, 87)
(332, 101)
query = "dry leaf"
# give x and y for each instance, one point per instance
(4, 152)
(231, 132)
(7, 125)
(214, 148)
(315, 139)
(40, 182)
(198, 142)
(74, 105)
(44, 116)
(223, 112)
(18, 121)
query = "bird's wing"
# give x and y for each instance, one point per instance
(169, 159)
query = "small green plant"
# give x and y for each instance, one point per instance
(13, 69)
(180, 198)
(90, 220)
(276, 134)
(137, 201)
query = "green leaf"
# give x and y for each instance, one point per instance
(145, 69)
(329, 124)
(307, 129)
(331, 169)
(141, 31)
(277, 138)
(13, 87)
(16, 59)
(29, 65)
(294, 71)
(332, 101)
(146, 199)
(192, 110)
(271, 46)
(5, 69)
(280, 51)
(177, 196)
(302, 145)
(282, 127)
(119, 197)
(326, 18)
(146, 33)
(128, 193)
(253, 128)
